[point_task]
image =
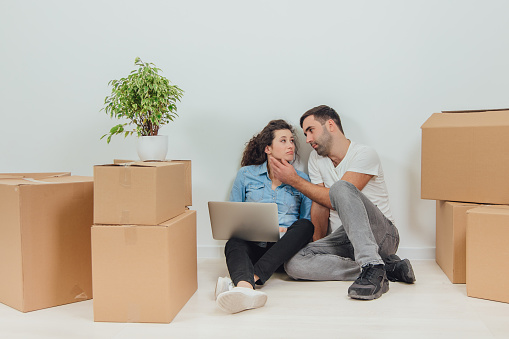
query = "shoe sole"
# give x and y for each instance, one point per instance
(234, 302)
(384, 289)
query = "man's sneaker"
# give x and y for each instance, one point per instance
(399, 270)
(371, 284)
(223, 284)
(240, 299)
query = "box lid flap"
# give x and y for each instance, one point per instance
(70, 179)
(30, 178)
(478, 110)
(33, 175)
(492, 209)
(467, 119)
(141, 163)
(123, 161)
(39, 180)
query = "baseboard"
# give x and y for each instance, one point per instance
(415, 253)
(210, 251)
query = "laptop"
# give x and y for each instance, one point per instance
(251, 221)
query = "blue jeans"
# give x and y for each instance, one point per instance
(245, 258)
(365, 237)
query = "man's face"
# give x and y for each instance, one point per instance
(317, 136)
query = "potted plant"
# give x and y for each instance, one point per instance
(148, 101)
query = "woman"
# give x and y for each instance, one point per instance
(252, 263)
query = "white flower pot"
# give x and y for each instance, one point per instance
(153, 147)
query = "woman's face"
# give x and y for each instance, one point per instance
(283, 145)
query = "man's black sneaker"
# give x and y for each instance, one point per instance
(399, 270)
(371, 284)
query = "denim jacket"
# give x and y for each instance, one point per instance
(252, 184)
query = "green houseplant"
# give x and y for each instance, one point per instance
(145, 99)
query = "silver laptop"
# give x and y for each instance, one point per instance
(252, 221)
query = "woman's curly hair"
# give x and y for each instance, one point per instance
(254, 153)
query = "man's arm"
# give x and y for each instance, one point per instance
(285, 172)
(359, 180)
(320, 219)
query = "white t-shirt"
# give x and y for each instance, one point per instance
(361, 159)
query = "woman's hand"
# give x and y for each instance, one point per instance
(282, 229)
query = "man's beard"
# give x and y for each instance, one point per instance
(324, 144)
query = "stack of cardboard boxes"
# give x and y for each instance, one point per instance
(45, 223)
(143, 241)
(465, 167)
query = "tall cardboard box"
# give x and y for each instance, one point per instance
(144, 273)
(188, 200)
(45, 221)
(451, 239)
(465, 157)
(140, 193)
(488, 253)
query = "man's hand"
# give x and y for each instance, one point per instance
(283, 171)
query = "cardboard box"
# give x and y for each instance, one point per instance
(45, 239)
(139, 193)
(465, 157)
(488, 253)
(451, 239)
(144, 273)
(188, 178)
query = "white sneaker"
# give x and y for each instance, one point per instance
(240, 299)
(223, 284)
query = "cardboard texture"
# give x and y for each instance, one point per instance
(188, 178)
(465, 157)
(45, 245)
(140, 193)
(144, 273)
(488, 253)
(451, 223)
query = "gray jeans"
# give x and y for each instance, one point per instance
(365, 238)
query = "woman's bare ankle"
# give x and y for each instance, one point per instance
(245, 284)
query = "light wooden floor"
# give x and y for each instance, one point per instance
(432, 308)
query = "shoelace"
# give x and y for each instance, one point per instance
(367, 273)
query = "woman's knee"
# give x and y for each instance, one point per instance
(233, 244)
(303, 225)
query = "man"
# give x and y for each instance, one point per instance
(348, 189)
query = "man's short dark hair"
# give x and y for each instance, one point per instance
(323, 113)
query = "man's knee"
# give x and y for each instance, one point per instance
(290, 268)
(296, 267)
(341, 190)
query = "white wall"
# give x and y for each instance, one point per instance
(385, 66)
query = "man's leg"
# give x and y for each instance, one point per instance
(371, 235)
(330, 258)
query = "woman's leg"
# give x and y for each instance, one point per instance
(240, 255)
(296, 237)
